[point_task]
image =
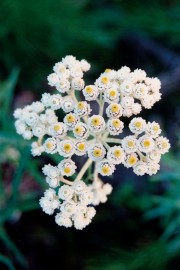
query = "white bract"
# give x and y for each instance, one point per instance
(91, 126)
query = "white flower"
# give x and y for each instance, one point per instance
(71, 120)
(39, 130)
(36, 150)
(96, 152)
(52, 182)
(123, 72)
(90, 92)
(129, 144)
(137, 125)
(81, 131)
(68, 104)
(60, 69)
(162, 144)
(105, 167)
(46, 99)
(111, 95)
(80, 147)
(86, 197)
(140, 168)
(96, 123)
(50, 145)
(115, 155)
(37, 107)
(145, 144)
(136, 109)
(63, 220)
(67, 167)
(153, 168)
(140, 75)
(127, 88)
(50, 171)
(130, 160)
(58, 129)
(114, 110)
(18, 113)
(103, 82)
(115, 126)
(127, 102)
(77, 83)
(140, 91)
(27, 135)
(31, 119)
(66, 148)
(82, 108)
(65, 192)
(53, 79)
(78, 186)
(85, 66)
(20, 127)
(153, 129)
(55, 102)
(153, 156)
(63, 85)
(68, 208)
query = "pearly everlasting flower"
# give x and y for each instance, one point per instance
(129, 144)
(68, 104)
(162, 145)
(82, 108)
(90, 92)
(96, 123)
(80, 147)
(65, 148)
(71, 120)
(50, 145)
(137, 125)
(114, 110)
(105, 167)
(67, 167)
(96, 152)
(64, 124)
(81, 131)
(115, 155)
(115, 126)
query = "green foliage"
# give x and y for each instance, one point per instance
(153, 257)
(35, 34)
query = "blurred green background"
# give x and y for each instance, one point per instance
(139, 227)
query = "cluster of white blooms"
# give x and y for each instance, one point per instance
(73, 205)
(81, 132)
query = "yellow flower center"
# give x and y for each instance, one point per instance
(156, 128)
(95, 121)
(57, 127)
(107, 70)
(138, 124)
(81, 146)
(116, 123)
(62, 69)
(146, 143)
(97, 152)
(132, 160)
(70, 118)
(67, 147)
(49, 145)
(105, 80)
(115, 108)
(117, 153)
(164, 144)
(89, 89)
(130, 144)
(105, 169)
(67, 169)
(81, 105)
(78, 129)
(112, 93)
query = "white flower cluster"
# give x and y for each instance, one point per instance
(82, 132)
(72, 201)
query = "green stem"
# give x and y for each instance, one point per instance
(84, 169)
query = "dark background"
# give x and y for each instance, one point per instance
(139, 227)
